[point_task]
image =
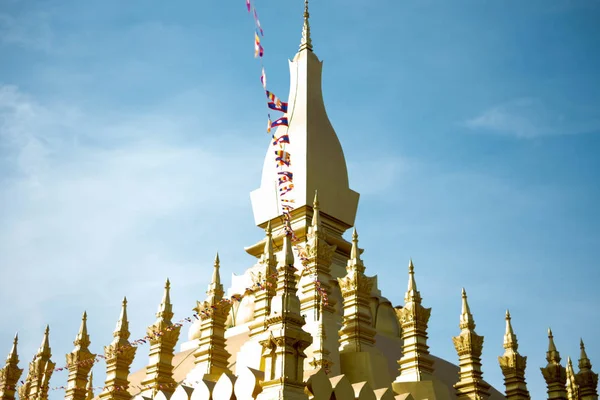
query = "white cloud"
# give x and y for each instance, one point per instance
(93, 209)
(531, 118)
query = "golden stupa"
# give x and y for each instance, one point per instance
(317, 328)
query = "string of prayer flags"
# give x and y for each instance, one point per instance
(258, 49)
(282, 158)
(281, 106)
(248, 5)
(281, 140)
(283, 121)
(263, 79)
(269, 124)
(285, 189)
(271, 96)
(262, 33)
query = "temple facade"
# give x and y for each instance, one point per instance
(306, 320)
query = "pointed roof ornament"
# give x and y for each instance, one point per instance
(288, 255)
(82, 339)
(412, 294)
(165, 309)
(510, 339)
(216, 277)
(306, 42)
(552, 354)
(89, 387)
(584, 361)
(45, 347)
(13, 355)
(316, 219)
(122, 328)
(466, 318)
(354, 253)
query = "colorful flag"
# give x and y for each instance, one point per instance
(283, 158)
(269, 123)
(283, 121)
(258, 49)
(273, 98)
(285, 178)
(263, 79)
(248, 5)
(281, 140)
(258, 22)
(286, 208)
(283, 107)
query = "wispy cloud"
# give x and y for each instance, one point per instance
(531, 118)
(81, 198)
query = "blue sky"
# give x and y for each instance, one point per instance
(132, 132)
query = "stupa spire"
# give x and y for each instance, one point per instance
(266, 281)
(306, 42)
(165, 309)
(10, 373)
(469, 346)
(211, 356)
(586, 378)
(89, 388)
(513, 365)
(40, 371)
(316, 219)
(356, 334)
(416, 364)
(79, 363)
(554, 373)
(163, 338)
(284, 341)
(119, 355)
(318, 160)
(572, 387)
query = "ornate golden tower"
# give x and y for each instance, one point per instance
(80, 362)
(159, 372)
(572, 387)
(266, 280)
(357, 333)
(40, 371)
(469, 346)
(10, 373)
(554, 373)
(586, 378)
(416, 364)
(119, 356)
(211, 357)
(89, 387)
(284, 341)
(513, 365)
(315, 291)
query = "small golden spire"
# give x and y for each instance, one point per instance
(82, 340)
(466, 318)
(288, 255)
(354, 253)
(552, 354)
(268, 252)
(165, 309)
(122, 328)
(572, 387)
(316, 220)
(412, 294)
(306, 42)
(89, 387)
(510, 339)
(216, 277)
(13, 356)
(45, 347)
(583, 355)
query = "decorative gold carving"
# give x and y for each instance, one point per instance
(79, 362)
(119, 356)
(513, 365)
(159, 373)
(469, 346)
(10, 373)
(40, 371)
(554, 374)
